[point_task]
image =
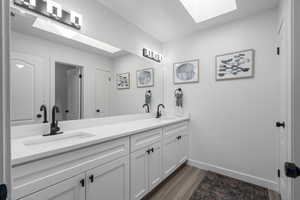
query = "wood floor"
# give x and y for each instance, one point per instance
(182, 184)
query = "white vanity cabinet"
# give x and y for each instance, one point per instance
(70, 189)
(127, 168)
(175, 147)
(146, 162)
(110, 181)
(108, 162)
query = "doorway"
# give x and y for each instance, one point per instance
(68, 91)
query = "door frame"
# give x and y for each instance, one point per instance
(295, 61)
(53, 62)
(5, 166)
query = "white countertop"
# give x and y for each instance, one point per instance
(23, 153)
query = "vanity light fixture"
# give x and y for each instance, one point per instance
(202, 10)
(148, 53)
(76, 18)
(54, 9)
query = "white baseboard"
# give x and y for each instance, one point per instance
(235, 174)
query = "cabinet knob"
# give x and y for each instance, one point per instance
(82, 182)
(148, 151)
(39, 116)
(98, 110)
(91, 178)
(152, 150)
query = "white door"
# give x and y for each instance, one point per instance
(110, 181)
(102, 81)
(27, 88)
(139, 174)
(73, 94)
(155, 166)
(4, 99)
(182, 149)
(285, 100)
(170, 157)
(71, 189)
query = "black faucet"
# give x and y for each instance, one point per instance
(54, 129)
(44, 108)
(148, 107)
(158, 113)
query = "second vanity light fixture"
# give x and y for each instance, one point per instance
(53, 10)
(148, 53)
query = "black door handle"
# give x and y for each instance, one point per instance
(91, 178)
(280, 124)
(291, 170)
(3, 192)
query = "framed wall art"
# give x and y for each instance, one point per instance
(145, 78)
(123, 81)
(235, 65)
(186, 72)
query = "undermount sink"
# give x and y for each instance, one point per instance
(58, 138)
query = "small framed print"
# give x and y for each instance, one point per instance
(235, 65)
(123, 81)
(186, 72)
(145, 78)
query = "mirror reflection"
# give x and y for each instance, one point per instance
(49, 69)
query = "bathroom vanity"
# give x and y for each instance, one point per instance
(122, 160)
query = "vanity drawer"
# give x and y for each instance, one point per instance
(144, 139)
(176, 130)
(34, 176)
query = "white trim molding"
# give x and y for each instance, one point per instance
(235, 174)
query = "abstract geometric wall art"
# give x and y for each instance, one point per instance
(186, 72)
(235, 65)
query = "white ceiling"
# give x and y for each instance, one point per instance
(167, 20)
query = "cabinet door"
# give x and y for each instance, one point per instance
(71, 189)
(170, 157)
(27, 88)
(139, 174)
(155, 166)
(109, 182)
(183, 144)
(102, 81)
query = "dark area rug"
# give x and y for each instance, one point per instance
(219, 187)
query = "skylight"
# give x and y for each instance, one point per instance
(57, 29)
(202, 10)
